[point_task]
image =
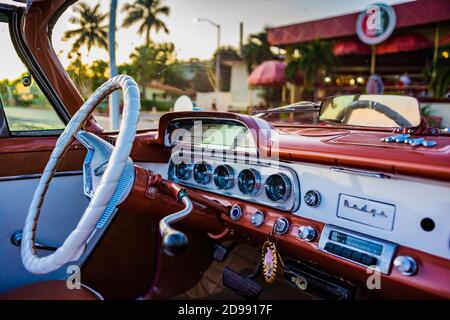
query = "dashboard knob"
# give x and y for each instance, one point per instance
(405, 265)
(257, 218)
(312, 198)
(307, 233)
(235, 212)
(281, 225)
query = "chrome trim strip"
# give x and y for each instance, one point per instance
(38, 175)
(361, 172)
(168, 142)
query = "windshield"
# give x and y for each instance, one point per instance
(253, 56)
(384, 111)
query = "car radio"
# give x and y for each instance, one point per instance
(357, 248)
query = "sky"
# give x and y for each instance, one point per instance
(198, 40)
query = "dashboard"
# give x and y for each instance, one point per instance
(358, 217)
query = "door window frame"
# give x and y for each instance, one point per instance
(15, 15)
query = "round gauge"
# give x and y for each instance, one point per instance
(224, 177)
(249, 181)
(278, 187)
(183, 171)
(202, 173)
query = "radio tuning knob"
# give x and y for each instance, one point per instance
(405, 265)
(281, 225)
(307, 233)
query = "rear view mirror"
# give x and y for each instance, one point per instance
(384, 111)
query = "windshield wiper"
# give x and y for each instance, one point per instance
(302, 106)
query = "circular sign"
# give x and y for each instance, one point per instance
(376, 23)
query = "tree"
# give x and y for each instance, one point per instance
(257, 50)
(227, 53)
(78, 72)
(440, 82)
(98, 73)
(150, 62)
(91, 30)
(313, 60)
(147, 13)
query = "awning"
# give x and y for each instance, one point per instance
(351, 46)
(409, 14)
(269, 73)
(404, 42)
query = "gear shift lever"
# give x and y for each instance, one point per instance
(175, 242)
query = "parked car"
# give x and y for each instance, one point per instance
(216, 204)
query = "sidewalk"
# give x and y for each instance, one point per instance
(147, 120)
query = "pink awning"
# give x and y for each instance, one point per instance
(404, 42)
(269, 73)
(350, 46)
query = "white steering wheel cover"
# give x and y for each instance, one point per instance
(73, 246)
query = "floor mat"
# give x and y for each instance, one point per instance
(242, 259)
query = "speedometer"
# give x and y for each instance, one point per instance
(202, 173)
(249, 181)
(278, 187)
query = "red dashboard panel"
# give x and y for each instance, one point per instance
(429, 282)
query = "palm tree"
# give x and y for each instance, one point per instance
(91, 30)
(147, 13)
(257, 50)
(313, 60)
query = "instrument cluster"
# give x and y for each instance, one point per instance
(251, 180)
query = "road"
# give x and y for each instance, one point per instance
(27, 118)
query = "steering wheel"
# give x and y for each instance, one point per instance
(345, 114)
(74, 245)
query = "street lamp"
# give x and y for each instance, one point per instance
(217, 26)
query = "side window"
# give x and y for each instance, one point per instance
(25, 106)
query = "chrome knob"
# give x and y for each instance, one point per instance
(235, 212)
(307, 233)
(405, 265)
(312, 198)
(257, 218)
(281, 225)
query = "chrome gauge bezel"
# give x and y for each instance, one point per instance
(264, 169)
(207, 173)
(230, 173)
(288, 186)
(257, 178)
(188, 173)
